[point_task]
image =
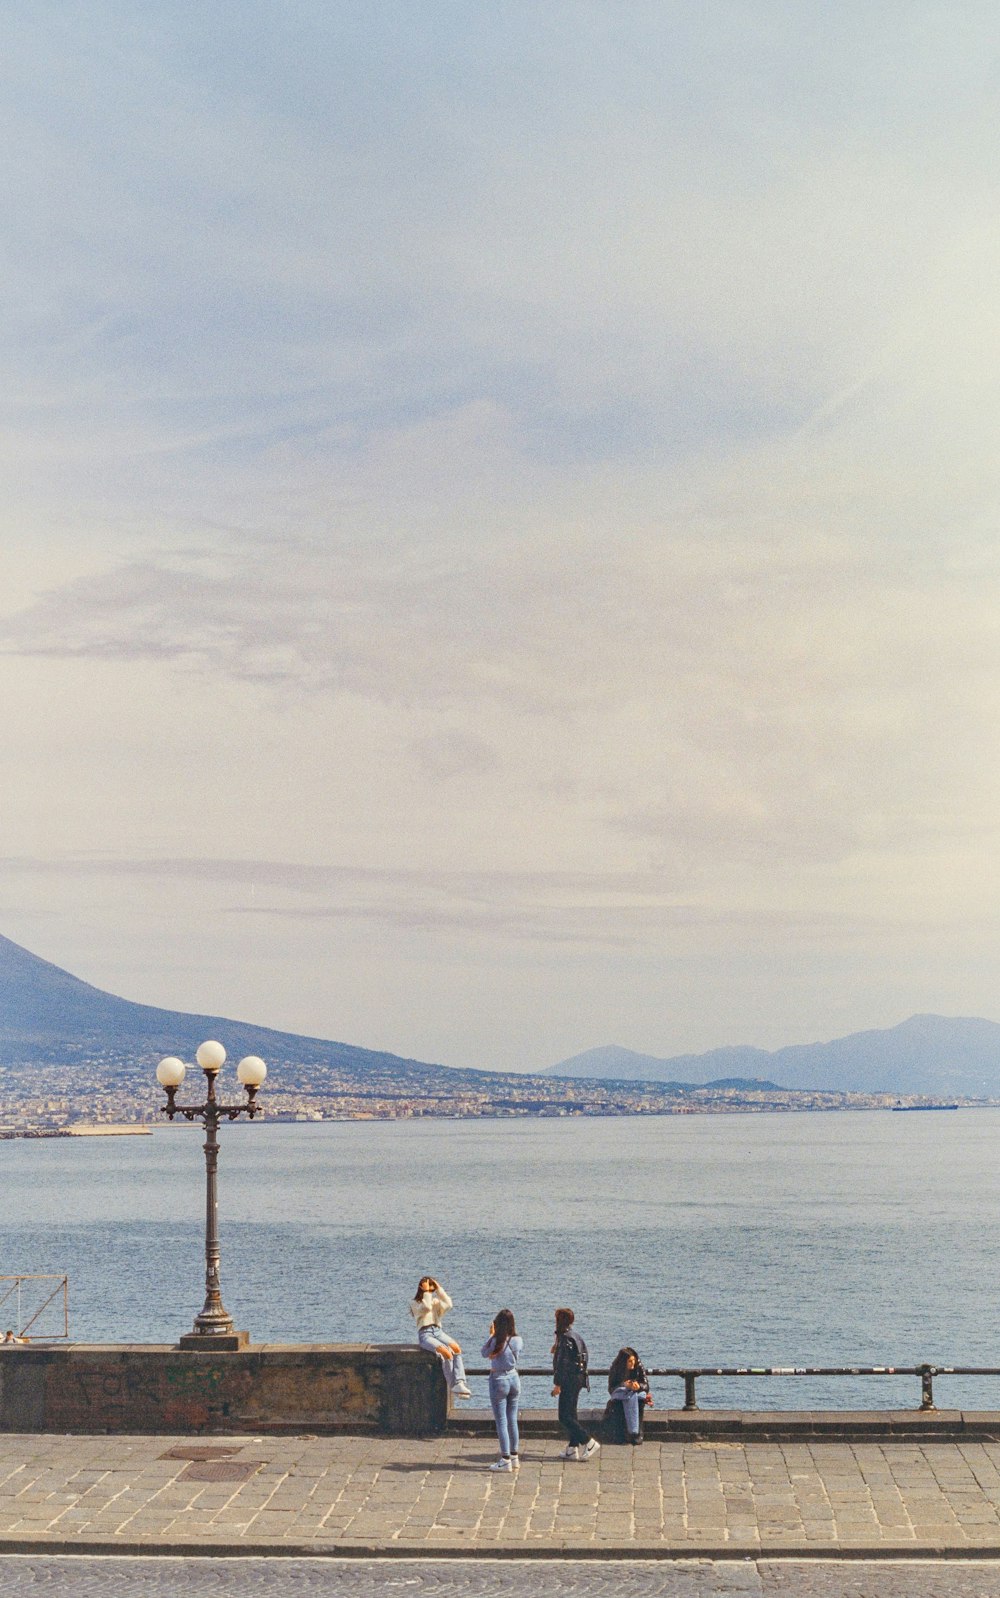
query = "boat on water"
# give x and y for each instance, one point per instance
(908, 1107)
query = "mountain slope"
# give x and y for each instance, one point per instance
(622, 1065)
(49, 1016)
(931, 1054)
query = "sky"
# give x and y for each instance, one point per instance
(499, 515)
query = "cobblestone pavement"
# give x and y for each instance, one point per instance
(357, 1495)
(85, 1577)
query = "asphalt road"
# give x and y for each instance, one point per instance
(121, 1577)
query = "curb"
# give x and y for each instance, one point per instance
(660, 1552)
(761, 1426)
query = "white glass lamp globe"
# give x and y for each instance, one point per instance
(211, 1056)
(251, 1071)
(170, 1072)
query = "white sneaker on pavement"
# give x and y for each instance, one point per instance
(515, 1460)
(572, 1452)
(501, 1464)
(590, 1450)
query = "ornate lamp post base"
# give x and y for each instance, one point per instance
(215, 1342)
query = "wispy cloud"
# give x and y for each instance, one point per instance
(764, 700)
(611, 911)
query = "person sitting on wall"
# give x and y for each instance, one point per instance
(628, 1385)
(428, 1307)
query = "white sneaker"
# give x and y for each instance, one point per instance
(590, 1450)
(572, 1452)
(502, 1464)
(515, 1460)
(461, 1391)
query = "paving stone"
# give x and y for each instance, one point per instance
(377, 1491)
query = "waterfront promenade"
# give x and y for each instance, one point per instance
(378, 1496)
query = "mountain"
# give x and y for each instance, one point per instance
(48, 1016)
(622, 1065)
(946, 1056)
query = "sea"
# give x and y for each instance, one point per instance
(737, 1240)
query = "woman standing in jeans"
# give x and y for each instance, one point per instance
(503, 1349)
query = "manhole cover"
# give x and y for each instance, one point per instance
(220, 1470)
(201, 1451)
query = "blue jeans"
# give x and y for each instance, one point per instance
(630, 1404)
(432, 1338)
(504, 1393)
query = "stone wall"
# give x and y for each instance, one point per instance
(360, 1388)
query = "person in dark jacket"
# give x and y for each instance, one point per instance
(628, 1385)
(569, 1378)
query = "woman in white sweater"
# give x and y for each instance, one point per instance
(427, 1307)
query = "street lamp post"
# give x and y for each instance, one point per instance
(213, 1328)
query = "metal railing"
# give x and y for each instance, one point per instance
(27, 1316)
(690, 1375)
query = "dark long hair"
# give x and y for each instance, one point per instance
(564, 1320)
(503, 1330)
(619, 1367)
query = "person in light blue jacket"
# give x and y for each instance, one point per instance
(503, 1349)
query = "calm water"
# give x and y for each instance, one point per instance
(784, 1239)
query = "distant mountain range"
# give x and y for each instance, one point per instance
(48, 1017)
(946, 1056)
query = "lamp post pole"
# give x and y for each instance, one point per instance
(213, 1327)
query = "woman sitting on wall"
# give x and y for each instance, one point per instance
(628, 1385)
(428, 1307)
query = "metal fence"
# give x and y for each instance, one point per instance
(32, 1309)
(689, 1375)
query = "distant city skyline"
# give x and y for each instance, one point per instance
(500, 518)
